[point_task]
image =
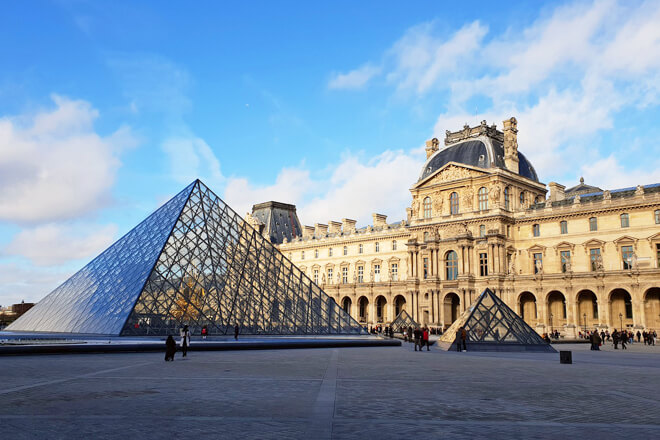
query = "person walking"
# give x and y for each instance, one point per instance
(185, 340)
(170, 348)
(615, 339)
(425, 339)
(623, 338)
(418, 338)
(639, 336)
(458, 339)
(595, 341)
(236, 330)
(464, 338)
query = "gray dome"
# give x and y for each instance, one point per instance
(482, 152)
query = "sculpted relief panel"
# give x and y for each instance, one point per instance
(454, 173)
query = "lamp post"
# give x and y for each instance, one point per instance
(550, 322)
(621, 321)
(584, 315)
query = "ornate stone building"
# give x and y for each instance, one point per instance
(565, 260)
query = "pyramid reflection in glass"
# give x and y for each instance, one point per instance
(193, 261)
(491, 325)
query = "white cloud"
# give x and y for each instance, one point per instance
(291, 186)
(354, 189)
(421, 59)
(609, 173)
(191, 158)
(54, 166)
(28, 283)
(355, 79)
(357, 188)
(55, 244)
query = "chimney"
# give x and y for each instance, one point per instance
(349, 225)
(431, 147)
(379, 219)
(335, 227)
(308, 232)
(321, 230)
(511, 145)
(556, 192)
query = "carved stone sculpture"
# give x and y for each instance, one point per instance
(634, 264)
(607, 195)
(639, 191)
(539, 266)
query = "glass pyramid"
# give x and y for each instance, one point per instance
(402, 321)
(194, 261)
(491, 325)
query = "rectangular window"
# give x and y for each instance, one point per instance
(360, 275)
(657, 253)
(625, 220)
(302, 255)
(563, 227)
(483, 264)
(393, 245)
(657, 216)
(316, 276)
(330, 276)
(377, 247)
(426, 268)
(360, 248)
(316, 253)
(565, 261)
(538, 262)
(626, 255)
(329, 252)
(594, 257)
(482, 230)
(345, 250)
(394, 271)
(344, 275)
(536, 230)
(593, 224)
(377, 273)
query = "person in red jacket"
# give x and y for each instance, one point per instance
(425, 339)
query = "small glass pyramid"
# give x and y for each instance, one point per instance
(192, 262)
(402, 321)
(491, 325)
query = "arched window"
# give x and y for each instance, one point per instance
(522, 198)
(482, 230)
(625, 220)
(453, 202)
(451, 265)
(483, 199)
(427, 207)
(506, 197)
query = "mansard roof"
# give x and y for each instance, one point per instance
(482, 152)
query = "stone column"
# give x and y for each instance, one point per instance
(441, 309)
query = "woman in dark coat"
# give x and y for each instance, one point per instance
(170, 348)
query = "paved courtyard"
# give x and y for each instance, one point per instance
(346, 393)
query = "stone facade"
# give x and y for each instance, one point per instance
(563, 261)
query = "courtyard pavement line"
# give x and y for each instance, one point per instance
(67, 379)
(320, 426)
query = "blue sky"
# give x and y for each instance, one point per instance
(107, 109)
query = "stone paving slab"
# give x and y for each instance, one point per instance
(348, 393)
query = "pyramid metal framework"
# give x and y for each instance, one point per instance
(402, 321)
(192, 262)
(491, 325)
